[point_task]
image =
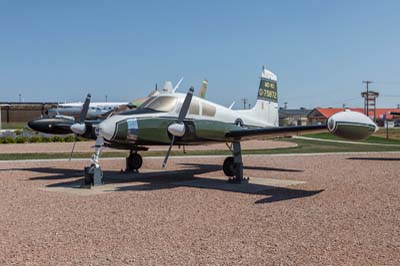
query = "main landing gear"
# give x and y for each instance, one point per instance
(133, 162)
(233, 165)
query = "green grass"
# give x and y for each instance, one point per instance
(15, 125)
(378, 139)
(394, 133)
(304, 146)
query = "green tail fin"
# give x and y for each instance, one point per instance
(268, 90)
(203, 89)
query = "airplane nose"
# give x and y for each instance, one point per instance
(34, 125)
(106, 129)
(331, 124)
(41, 125)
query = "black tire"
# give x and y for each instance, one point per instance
(229, 167)
(89, 178)
(134, 162)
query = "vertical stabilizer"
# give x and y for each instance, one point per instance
(266, 108)
(203, 89)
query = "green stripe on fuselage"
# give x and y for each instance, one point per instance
(155, 131)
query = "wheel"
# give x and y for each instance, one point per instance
(89, 177)
(229, 167)
(134, 162)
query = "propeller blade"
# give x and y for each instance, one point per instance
(182, 114)
(185, 105)
(73, 148)
(168, 152)
(85, 109)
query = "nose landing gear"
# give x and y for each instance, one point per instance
(93, 173)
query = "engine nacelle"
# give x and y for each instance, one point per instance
(351, 125)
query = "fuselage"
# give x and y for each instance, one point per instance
(205, 121)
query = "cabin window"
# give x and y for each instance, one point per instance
(194, 108)
(208, 109)
(161, 104)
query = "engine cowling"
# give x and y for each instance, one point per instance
(351, 125)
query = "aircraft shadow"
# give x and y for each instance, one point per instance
(188, 177)
(280, 194)
(373, 159)
(248, 167)
(55, 173)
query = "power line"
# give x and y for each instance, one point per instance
(388, 83)
(390, 96)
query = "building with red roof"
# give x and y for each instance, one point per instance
(320, 115)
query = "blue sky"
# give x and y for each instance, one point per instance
(320, 50)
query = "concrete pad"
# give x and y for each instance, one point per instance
(150, 179)
(112, 182)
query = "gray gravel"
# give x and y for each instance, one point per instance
(347, 213)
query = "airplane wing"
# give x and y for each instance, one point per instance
(270, 132)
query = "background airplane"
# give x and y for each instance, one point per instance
(60, 120)
(179, 119)
(96, 110)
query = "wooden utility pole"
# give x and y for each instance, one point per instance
(244, 100)
(367, 82)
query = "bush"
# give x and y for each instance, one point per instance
(69, 139)
(18, 132)
(45, 139)
(35, 139)
(57, 139)
(21, 139)
(8, 140)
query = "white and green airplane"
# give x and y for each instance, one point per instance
(183, 119)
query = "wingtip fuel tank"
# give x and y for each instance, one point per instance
(351, 125)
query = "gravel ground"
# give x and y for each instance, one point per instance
(347, 213)
(87, 146)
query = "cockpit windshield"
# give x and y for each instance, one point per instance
(160, 104)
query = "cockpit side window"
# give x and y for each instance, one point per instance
(194, 108)
(161, 104)
(208, 109)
